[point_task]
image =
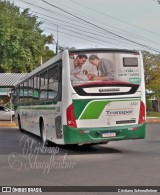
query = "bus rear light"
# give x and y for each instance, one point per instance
(142, 113)
(71, 120)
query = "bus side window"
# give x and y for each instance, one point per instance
(52, 82)
(30, 90)
(43, 85)
(36, 88)
(16, 95)
(25, 91)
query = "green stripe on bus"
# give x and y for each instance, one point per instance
(79, 106)
(93, 110)
(39, 108)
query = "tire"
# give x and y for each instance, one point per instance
(19, 124)
(43, 134)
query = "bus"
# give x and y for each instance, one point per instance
(83, 107)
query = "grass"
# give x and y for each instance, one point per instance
(153, 114)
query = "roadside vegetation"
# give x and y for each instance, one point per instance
(153, 114)
(23, 45)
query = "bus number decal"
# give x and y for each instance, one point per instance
(134, 103)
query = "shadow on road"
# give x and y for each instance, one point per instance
(12, 141)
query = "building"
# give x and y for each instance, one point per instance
(7, 81)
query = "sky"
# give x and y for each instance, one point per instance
(133, 24)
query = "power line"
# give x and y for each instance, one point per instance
(131, 34)
(120, 20)
(92, 27)
(84, 35)
(111, 33)
(122, 32)
(92, 37)
(71, 35)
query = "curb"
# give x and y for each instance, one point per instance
(8, 125)
(153, 120)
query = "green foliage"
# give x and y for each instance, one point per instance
(153, 114)
(22, 43)
(149, 105)
(152, 71)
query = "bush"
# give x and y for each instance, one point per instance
(148, 105)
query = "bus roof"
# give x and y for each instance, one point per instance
(103, 50)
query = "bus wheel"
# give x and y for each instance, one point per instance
(43, 134)
(19, 124)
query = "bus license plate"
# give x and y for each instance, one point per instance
(109, 134)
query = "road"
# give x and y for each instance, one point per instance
(24, 161)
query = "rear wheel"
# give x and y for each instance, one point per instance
(43, 134)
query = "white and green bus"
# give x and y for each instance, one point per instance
(84, 108)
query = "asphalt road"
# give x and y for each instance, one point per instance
(23, 161)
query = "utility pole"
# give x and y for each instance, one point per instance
(57, 42)
(10, 94)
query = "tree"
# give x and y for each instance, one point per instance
(152, 70)
(22, 43)
(152, 73)
(148, 105)
(60, 48)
